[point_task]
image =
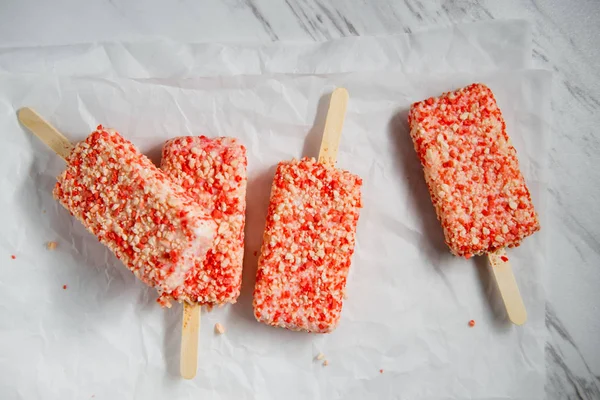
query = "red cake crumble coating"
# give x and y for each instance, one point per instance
(472, 171)
(133, 208)
(307, 246)
(213, 172)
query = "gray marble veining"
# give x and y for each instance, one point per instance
(570, 375)
(565, 41)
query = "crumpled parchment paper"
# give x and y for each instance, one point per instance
(409, 301)
(477, 46)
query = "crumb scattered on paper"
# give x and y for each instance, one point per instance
(320, 356)
(13, 256)
(65, 287)
(381, 371)
(51, 245)
(472, 323)
(72, 103)
(325, 363)
(220, 329)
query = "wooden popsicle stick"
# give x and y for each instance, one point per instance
(190, 326)
(507, 285)
(45, 132)
(334, 123)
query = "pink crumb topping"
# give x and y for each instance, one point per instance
(307, 246)
(472, 171)
(213, 172)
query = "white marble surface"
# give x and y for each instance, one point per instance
(565, 40)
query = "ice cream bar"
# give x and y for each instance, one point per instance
(132, 207)
(307, 246)
(213, 172)
(472, 171)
